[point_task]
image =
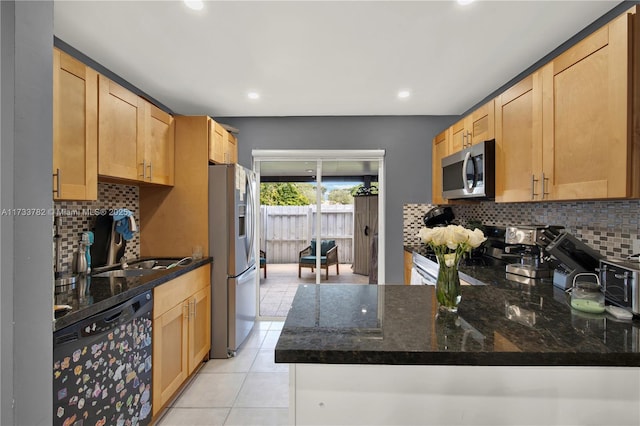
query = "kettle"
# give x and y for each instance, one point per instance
(587, 296)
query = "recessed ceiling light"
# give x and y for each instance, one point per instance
(309, 171)
(194, 4)
(253, 95)
(464, 2)
(404, 94)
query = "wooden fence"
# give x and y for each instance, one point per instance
(285, 230)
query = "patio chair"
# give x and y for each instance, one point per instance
(263, 262)
(328, 257)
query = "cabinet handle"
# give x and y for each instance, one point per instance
(533, 187)
(464, 140)
(57, 176)
(544, 179)
(150, 171)
(144, 169)
(469, 139)
(192, 308)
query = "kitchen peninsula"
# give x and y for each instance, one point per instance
(513, 354)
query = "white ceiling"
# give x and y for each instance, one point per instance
(320, 57)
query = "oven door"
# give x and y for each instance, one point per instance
(423, 271)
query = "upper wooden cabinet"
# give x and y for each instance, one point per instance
(135, 138)
(588, 92)
(75, 129)
(439, 150)
(223, 145)
(232, 148)
(519, 141)
(475, 127)
(120, 131)
(158, 151)
(571, 130)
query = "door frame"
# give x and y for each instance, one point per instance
(320, 155)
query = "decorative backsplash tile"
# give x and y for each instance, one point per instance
(608, 226)
(79, 216)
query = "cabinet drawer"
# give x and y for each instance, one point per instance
(175, 291)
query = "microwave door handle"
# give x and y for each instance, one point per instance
(467, 157)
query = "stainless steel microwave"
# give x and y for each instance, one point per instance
(470, 173)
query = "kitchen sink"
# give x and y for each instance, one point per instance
(119, 273)
(159, 263)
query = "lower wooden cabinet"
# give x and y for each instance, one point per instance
(181, 331)
(408, 264)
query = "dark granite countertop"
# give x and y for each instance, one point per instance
(103, 293)
(501, 323)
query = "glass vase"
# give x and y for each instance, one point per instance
(448, 285)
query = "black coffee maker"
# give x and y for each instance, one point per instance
(438, 216)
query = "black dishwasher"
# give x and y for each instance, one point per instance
(102, 367)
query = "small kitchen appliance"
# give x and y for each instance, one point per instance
(530, 241)
(438, 216)
(574, 256)
(620, 284)
(587, 296)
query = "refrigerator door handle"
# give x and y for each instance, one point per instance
(249, 219)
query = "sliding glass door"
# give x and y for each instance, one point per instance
(310, 227)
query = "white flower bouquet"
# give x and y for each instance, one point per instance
(449, 244)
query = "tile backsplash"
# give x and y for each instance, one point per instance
(79, 216)
(608, 226)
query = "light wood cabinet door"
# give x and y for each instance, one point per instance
(439, 150)
(158, 152)
(459, 135)
(519, 141)
(199, 327)
(75, 129)
(170, 353)
(217, 143)
(481, 124)
(120, 131)
(476, 127)
(408, 264)
(231, 148)
(586, 117)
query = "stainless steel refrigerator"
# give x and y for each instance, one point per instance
(231, 243)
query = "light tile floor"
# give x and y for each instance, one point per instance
(249, 389)
(278, 289)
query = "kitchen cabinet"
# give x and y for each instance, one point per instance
(565, 132)
(476, 127)
(408, 264)
(439, 150)
(588, 93)
(120, 131)
(186, 203)
(365, 226)
(157, 152)
(75, 129)
(223, 145)
(518, 131)
(135, 138)
(181, 331)
(232, 148)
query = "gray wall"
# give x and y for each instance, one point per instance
(406, 139)
(26, 241)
